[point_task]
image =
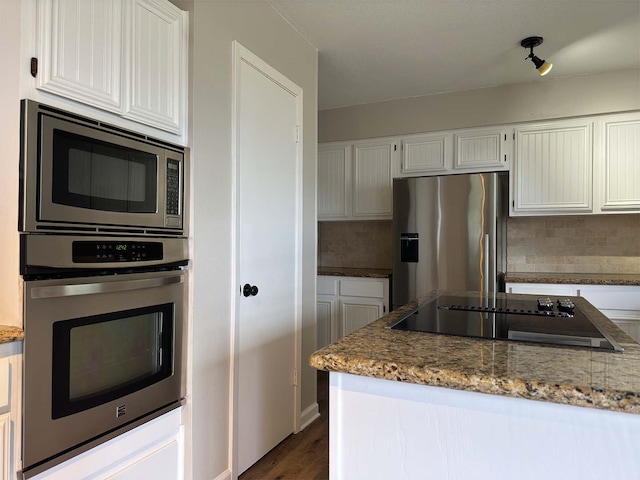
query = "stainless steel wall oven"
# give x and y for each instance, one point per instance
(102, 351)
(103, 258)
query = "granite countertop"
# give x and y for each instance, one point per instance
(575, 278)
(566, 375)
(10, 334)
(355, 272)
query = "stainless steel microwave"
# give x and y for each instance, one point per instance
(85, 176)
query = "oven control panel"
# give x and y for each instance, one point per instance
(115, 251)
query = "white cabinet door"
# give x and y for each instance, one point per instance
(483, 148)
(334, 181)
(345, 304)
(553, 167)
(621, 163)
(10, 409)
(79, 45)
(373, 180)
(327, 320)
(426, 154)
(157, 59)
(128, 57)
(5, 447)
(356, 312)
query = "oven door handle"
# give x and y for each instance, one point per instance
(54, 291)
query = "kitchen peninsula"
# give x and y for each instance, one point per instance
(418, 405)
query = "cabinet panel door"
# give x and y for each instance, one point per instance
(358, 312)
(482, 149)
(334, 182)
(156, 64)
(622, 165)
(80, 51)
(630, 326)
(373, 181)
(6, 462)
(426, 154)
(553, 168)
(326, 315)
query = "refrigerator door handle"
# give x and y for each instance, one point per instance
(486, 263)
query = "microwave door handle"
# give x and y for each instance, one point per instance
(54, 291)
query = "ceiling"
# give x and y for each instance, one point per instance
(375, 50)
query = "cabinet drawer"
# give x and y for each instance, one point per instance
(612, 297)
(362, 288)
(326, 285)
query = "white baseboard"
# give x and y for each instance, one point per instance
(226, 475)
(309, 415)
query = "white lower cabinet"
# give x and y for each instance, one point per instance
(10, 411)
(356, 312)
(620, 303)
(153, 450)
(345, 304)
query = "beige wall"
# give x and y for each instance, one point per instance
(608, 244)
(574, 244)
(355, 244)
(214, 25)
(540, 99)
(10, 293)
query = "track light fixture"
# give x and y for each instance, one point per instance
(542, 66)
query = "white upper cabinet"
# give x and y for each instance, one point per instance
(355, 180)
(373, 180)
(80, 51)
(334, 181)
(619, 137)
(426, 154)
(128, 57)
(553, 168)
(157, 59)
(483, 148)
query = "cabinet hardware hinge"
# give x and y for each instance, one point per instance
(295, 377)
(297, 134)
(34, 67)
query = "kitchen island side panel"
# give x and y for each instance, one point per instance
(386, 429)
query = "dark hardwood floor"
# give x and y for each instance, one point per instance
(304, 456)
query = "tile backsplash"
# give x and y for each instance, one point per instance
(574, 244)
(563, 244)
(355, 244)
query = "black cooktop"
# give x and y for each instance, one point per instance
(552, 321)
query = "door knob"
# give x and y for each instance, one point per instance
(249, 290)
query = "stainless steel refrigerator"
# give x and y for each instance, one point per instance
(449, 233)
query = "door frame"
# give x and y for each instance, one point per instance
(242, 55)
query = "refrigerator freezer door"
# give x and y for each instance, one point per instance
(458, 221)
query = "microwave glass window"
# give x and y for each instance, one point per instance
(107, 355)
(96, 175)
(103, 357)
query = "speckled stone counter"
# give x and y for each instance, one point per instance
(10, 334)
(574, 278)
(573, 376)
(354, 272)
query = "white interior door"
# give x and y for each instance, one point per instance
(268, 244)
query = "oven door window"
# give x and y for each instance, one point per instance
(104, 357)
(91, 174)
